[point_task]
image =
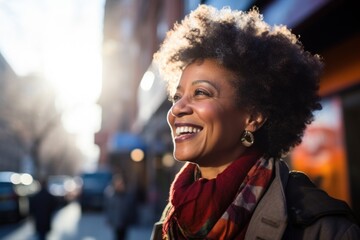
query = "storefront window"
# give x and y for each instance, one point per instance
(322, 153)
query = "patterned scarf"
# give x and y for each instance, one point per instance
(218, 208)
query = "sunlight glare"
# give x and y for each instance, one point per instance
(63, 41)
(147, 81)
(82, 118)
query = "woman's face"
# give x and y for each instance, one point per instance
(206, 124)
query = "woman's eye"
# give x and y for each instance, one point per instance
(175, 98)
(201, 92)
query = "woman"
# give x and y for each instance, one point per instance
(119, 200)
(243, 93)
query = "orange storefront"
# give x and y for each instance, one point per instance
(330, 151)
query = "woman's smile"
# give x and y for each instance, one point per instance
(185, 131)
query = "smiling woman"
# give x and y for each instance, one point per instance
(242, 92)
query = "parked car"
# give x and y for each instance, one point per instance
(65, 188)
(92, 191)
(15, 189)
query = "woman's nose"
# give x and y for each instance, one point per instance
(181, 107)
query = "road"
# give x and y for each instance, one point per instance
(70, 224)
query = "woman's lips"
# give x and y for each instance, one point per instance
(186, 131)
(184, 137)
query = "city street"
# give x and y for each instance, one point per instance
(70, 224)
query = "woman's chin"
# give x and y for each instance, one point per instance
(182, 158)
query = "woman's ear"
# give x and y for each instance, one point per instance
(255, 122)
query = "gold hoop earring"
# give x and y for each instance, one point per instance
(247, 138)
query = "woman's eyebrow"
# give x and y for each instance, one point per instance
(213, 84)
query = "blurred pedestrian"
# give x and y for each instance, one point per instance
(119, 206)
(42, 208)
(243, 92)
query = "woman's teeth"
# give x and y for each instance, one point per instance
(187, 129)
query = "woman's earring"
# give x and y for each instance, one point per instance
(247, 138)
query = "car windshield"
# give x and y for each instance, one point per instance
(96, 180)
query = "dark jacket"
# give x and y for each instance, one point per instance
(42, 207)
(293, 208)
(119, 208)
(310, 209)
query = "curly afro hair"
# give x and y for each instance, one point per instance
(275, 75)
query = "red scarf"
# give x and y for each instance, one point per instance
(218, 208)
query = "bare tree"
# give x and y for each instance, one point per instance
(28, 107)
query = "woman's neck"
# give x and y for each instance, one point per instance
(212, 172)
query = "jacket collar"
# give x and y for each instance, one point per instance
(307, 203)
(270, 216)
